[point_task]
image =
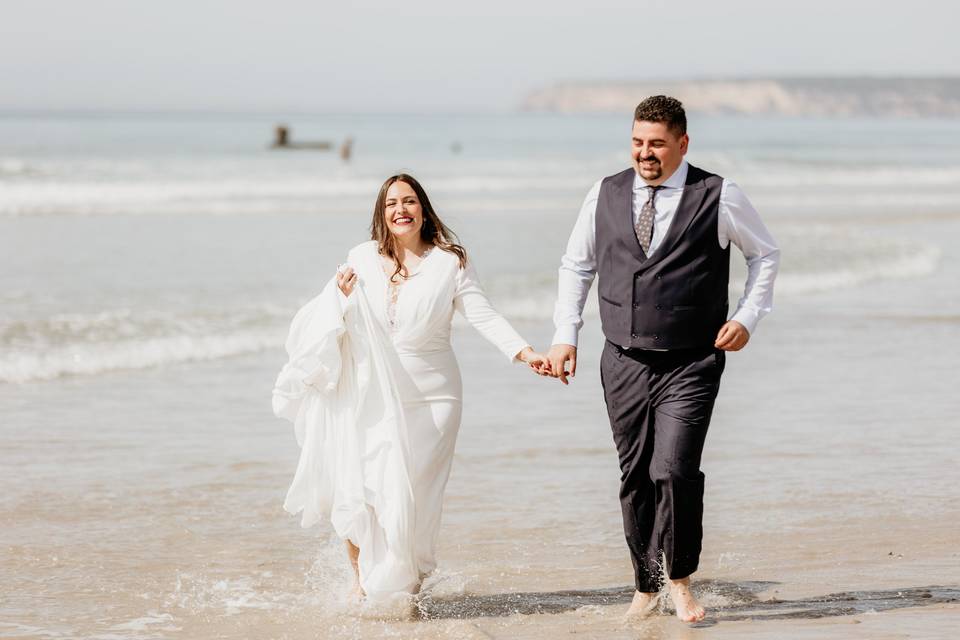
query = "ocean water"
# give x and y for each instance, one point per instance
(150, 264)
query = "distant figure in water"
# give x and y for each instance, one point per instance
(373, 388)
(663, 274)
(346, 149)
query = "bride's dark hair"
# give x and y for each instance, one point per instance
(433, 231)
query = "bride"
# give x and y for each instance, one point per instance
(373, 388)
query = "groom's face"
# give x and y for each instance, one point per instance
(657, 151)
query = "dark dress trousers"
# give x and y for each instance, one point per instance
(660, 371)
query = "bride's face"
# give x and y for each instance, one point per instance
(403, 213)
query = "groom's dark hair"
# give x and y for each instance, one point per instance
(663, 109)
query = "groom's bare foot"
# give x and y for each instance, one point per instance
(688, 609)
(643, 604)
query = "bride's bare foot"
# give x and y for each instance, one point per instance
(643, 604)
(688, 609)
(356, 593)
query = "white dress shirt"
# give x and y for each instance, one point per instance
(738, 223)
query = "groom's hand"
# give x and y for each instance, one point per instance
(733, 336)
(558, 356)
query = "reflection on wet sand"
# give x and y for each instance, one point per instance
(739, 602)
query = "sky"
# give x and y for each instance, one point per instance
(436, 56)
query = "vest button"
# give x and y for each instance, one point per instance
(636, 305)
(634, 336)
(659, 307)
(656, 337)
(659, 276)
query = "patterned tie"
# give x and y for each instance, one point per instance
(644, 226)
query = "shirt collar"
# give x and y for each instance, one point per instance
(676, 181)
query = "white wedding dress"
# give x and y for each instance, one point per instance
(374, 390)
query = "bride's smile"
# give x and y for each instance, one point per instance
(403, 212)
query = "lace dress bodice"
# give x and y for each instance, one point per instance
(394, 284)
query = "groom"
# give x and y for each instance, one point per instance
(658, 236)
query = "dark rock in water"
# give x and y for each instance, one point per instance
(281, 140)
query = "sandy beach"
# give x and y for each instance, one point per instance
(143, 490)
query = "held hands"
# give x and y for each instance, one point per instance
(346, 279)
(733, 336)
(559, 355)
(537, 362)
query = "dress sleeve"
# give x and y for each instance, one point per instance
(472, 303)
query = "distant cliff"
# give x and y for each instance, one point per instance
(784, 96)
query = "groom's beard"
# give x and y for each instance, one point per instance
(651, 171)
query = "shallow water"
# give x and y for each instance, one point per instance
(143, 472)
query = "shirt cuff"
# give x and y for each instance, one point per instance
(515, 358)
(513, 348)
(747, 318)
(565, 335)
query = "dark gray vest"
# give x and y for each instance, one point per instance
(676, 298)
